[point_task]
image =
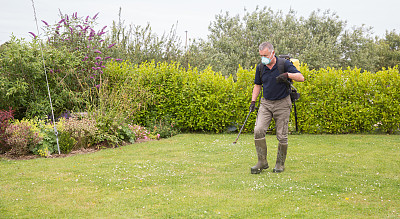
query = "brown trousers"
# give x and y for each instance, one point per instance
(279, 110)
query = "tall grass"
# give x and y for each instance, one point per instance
(199, 175)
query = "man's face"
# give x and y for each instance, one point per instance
(265, 53)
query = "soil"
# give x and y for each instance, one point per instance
(92, 149)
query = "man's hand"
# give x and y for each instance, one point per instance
(252, 106)
(283, 78)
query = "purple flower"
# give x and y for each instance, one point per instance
(93, 68)
(112, 45)
(80, 26)
(108, 57)
(98, 86)
(94, 17)
(34, 36)
(45, 23)
(97, 51)
(91, 77)
(61, 21)
(98, 57)
(87, 18)
(118, 59)
(103, 66)
(101, 72)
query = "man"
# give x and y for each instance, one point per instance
(275, 104)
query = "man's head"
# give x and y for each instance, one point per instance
(266, 50)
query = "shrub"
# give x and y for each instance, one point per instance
(83, 130)
(66, 142)
(5, 117)
(163, 128)
(21, 137)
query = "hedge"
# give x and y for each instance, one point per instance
(332, 100)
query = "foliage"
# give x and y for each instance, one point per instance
(349, 101)
(184, 95)
(321, 41)
(21, 138)
(163, 128)
(82, 130)
(138, 44)
(5, 117)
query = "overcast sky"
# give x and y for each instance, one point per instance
(16, 16)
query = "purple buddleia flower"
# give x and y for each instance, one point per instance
(61, 21)
(98, 86)
(45, 23)
(79, 26)
(34, 35)
(108, 57)
(112, 45)
(86, 18)
(118, 59)
(94, 17)
(91, 77)
(98, 57)
(101, 41)
(101, 72)
(97, 51)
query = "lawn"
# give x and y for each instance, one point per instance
(205, 175)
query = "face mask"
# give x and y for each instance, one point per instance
(266, 60)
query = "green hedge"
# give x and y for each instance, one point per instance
(349, 101)
(332, 100)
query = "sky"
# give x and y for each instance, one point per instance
(191, 17)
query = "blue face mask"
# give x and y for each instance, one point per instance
(266, 60)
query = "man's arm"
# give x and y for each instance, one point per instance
(295, 77)
(256, 91)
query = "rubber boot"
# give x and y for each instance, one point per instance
(261, 148)
(280, 158)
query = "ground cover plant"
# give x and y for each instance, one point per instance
(199, 175)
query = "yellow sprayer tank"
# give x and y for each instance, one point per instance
(296, 63)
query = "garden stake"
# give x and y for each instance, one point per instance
(47, 81)
(242, 127)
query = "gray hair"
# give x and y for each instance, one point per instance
(266, 45)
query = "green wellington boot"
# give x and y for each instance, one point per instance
(280, 158)
(261, 148)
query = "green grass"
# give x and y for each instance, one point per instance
(196, 175)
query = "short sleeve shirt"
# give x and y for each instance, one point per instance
(272, 90)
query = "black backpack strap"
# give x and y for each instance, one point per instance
(260, 68)
(281, 65)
